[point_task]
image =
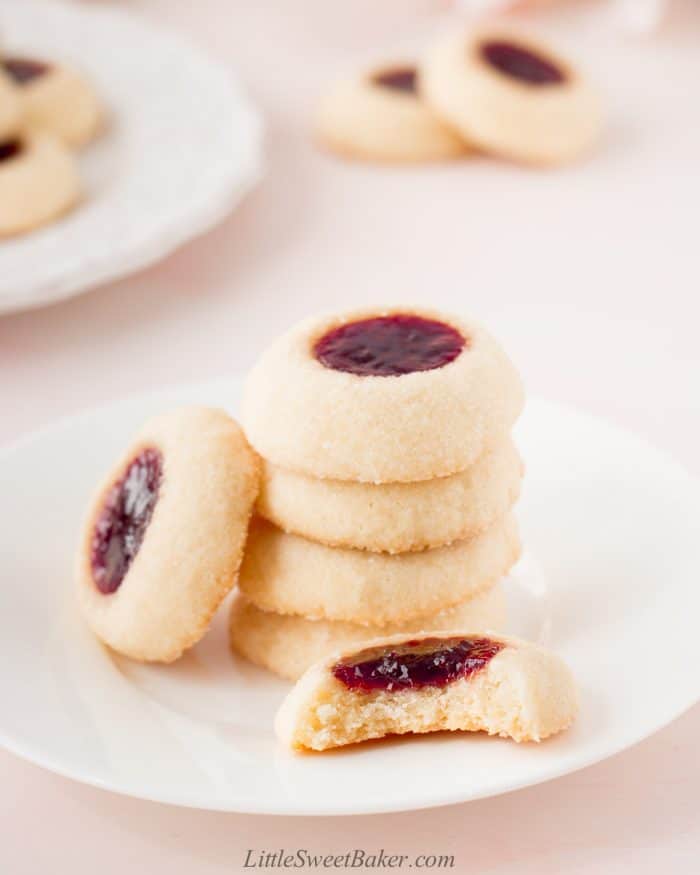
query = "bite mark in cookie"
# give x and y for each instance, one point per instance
(455, 681)
(389, 346)
(521, 63)
(427, 662)
(121, 524)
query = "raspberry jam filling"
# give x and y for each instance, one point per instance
(430, 662)
(521, 63)
(401, 79)
(388, 346)
(24, 70)
(10, 149)
(123, 520)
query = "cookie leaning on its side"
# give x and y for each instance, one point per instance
(164, 536)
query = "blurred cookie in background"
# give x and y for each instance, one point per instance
(38, 182)
(10, 107)
(56, 99)
(378, 115)
(511, 94)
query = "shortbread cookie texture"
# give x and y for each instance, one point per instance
(56, 99)
(10, 107)
(381, 395)
(38, 182)
(288, 645)
(164, 536)
(394, 517)
(511, 95)
(288, 574)
(444, 681)
(378, 116)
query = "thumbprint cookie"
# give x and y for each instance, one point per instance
(287, 574)
(164, 535)
(455, 681)
(379, 116)
(56, 99)
(511, 95)
(38, 182)
(394, 517)
(381, 395)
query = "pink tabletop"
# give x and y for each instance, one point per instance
(589, 276)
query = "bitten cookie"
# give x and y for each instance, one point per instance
(288, 645)
(381, 395)
(10, 107)
(38, 182)
(56, 99)
(378, 116)
(445, 681)
(511, 95)
(394, 517)
(164, 536)
(291, 575)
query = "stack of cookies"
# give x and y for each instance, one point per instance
(388, 480)
(371, 569)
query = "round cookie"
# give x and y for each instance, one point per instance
(10, 107)
(379, 116)
(288, 645)
(56, 99)
(380, 395)
(287, 574)
(164, 536)
(441, 681)
(394, 517)
(38, 182)
(511, 95)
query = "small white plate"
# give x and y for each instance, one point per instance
(182, 147)
(614, 522)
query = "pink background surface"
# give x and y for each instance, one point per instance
(589, 276)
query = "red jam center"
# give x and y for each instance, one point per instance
(403, 79)
(123, 520)
(521, 63)
(10, 149)
(430, 662)
(24, 70)
(388, 346)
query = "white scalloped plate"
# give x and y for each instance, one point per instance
(614, 522)
(183, 146)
